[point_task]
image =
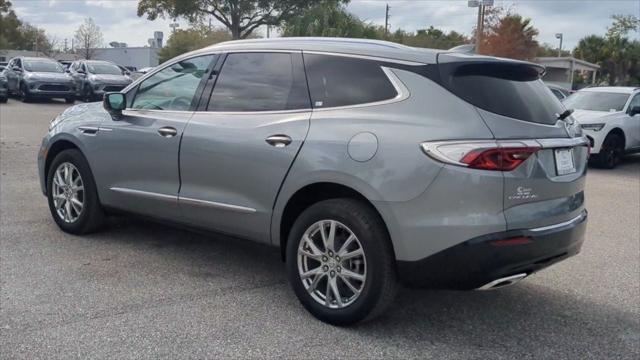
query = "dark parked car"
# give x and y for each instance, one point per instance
(32, 77)
(93, 78)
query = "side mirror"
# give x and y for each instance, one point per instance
(80, 71)
(114, 103)
(634, 110)
(16, 68)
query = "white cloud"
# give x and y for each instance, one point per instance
(119, 21)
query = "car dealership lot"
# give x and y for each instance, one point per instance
(141, 289)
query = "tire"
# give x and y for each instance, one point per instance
(87, 94)
(379, 287)
(4, 99)
(90, 217)
(610, 153)
(24, 93)
(70, 100)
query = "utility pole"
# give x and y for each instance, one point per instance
(481, 5)
(479, 28)
(268, 31)
(386, 21)
(65, 45)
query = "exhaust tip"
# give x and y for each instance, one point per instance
(503, 282)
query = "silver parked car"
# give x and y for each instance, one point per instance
(370, 164)
(32, 77)
(4, 85)
(93, 78)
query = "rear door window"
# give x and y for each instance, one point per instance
(512, 90)
(260, 82)
(343, 81)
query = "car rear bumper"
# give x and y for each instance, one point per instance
(482, 260)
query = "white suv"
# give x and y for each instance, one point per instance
(610, 119)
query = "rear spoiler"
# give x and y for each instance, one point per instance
(455, 60)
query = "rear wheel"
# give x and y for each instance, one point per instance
(611, 152)
(4, 99)
(340, 262)
(70, 100)
(72, 194)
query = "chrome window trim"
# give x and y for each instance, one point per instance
(265, 112)
(141, 112)
(146, 194)
(401, 90)
(216, 205)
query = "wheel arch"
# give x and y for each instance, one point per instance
(56, 148)
(308, 195)
(618, 131)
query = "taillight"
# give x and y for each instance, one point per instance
(485, 155)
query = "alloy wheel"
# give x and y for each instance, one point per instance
(332, 264)
(68, 192)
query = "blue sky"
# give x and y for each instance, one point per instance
(119, 22)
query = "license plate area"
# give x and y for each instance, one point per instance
(565, 161)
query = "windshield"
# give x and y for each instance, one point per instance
(43, 66)
(103, 68)
(596, 101)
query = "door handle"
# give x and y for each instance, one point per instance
(278, 140)
(167, 131)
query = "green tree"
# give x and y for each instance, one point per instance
(10, 36)
(182, 41)
(547, 50)
(618, 57)
(430, 38)
(241, 17)
(330, 19)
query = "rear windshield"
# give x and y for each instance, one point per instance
(514, 90)
(43, 66)
(596, 101)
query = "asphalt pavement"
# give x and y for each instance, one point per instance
(139, 289)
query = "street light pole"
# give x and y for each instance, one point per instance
(559, 36)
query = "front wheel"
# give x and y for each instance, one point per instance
(340, 262)
(72, 194)
(611, 152)
(25, 96)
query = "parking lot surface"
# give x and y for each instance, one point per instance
(139, 289)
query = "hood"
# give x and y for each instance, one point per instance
(47, 76)
(591, 117)
(111, 79)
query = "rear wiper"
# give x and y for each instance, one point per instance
(565, 114)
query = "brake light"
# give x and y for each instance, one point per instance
(484, 155)
(501, 159)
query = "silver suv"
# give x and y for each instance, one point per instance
(369, 164)
(94, 78)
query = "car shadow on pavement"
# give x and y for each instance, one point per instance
(527, 318)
